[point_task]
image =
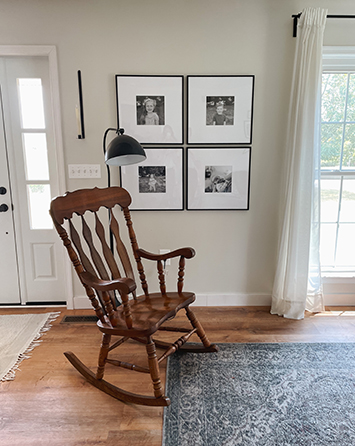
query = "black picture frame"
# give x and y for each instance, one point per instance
(218, 178)
(220, 109)
(157, 183)
(151, 108)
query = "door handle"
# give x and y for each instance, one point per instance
(3, 190)
(4, 207)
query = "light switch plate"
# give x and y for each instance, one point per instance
(84, 170)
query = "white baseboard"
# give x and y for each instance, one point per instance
(237, 300)
(232, 300)
(204, 300)
(81, 303)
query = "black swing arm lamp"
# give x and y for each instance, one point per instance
(121, 151)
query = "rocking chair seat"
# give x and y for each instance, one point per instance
(148, 313)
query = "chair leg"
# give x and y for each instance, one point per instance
(103, 355)
(154, 367)
(200, 331)
(112, 390)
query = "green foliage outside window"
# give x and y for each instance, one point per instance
(338, 186)
(338, 121)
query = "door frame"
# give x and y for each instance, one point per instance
(50, 52)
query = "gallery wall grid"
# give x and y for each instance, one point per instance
(209, 118)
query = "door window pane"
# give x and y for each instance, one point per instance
(31, 103)
(39, 198)
(330, 189)
(36, 157)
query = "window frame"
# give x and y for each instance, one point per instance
(338, 285)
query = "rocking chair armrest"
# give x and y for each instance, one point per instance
(125, 284)
(188, 253)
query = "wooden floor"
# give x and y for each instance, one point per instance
(49, 403)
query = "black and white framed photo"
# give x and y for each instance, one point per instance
(150, 108)
(158, 182)
(220, 109)
(218, 178)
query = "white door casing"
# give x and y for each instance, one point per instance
(44, 271)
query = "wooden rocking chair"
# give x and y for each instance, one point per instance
(137, 318)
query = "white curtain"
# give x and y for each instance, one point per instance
(297, 285)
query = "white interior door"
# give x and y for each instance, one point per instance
(32, 170)
(9, 274)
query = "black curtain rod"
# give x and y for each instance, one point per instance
(297, 16)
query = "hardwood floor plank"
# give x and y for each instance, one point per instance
(50, 403)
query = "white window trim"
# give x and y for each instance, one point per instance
(339, 287)
(338, 58)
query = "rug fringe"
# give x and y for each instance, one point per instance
(10, 375)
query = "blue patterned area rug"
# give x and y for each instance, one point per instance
(262, 395)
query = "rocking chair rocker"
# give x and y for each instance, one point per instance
(138, 318)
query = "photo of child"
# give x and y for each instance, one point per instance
(219, 110)
(218, 179)
(150, 110)
(151, 179)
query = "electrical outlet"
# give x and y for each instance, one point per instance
(165, 251)
(84, 170)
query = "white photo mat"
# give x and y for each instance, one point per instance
(156, 183)
(170, 88)
(238, 87)
(233, 163)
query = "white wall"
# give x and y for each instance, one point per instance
(236, 251)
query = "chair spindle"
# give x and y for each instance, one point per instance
(134, 244)
(93, 251)
(100, 231)
(181, 274)
(109, 308)
(85, 260)
(79, 269)
(127, 310)
(161, 275)
(120, 247)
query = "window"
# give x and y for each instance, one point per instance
(34, 143)
(338, 166)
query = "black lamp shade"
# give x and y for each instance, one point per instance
(124, 150)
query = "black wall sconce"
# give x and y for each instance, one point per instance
(79, 110)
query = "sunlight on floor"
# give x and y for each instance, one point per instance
(335, 313)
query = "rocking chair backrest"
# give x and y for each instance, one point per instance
(86, 255)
